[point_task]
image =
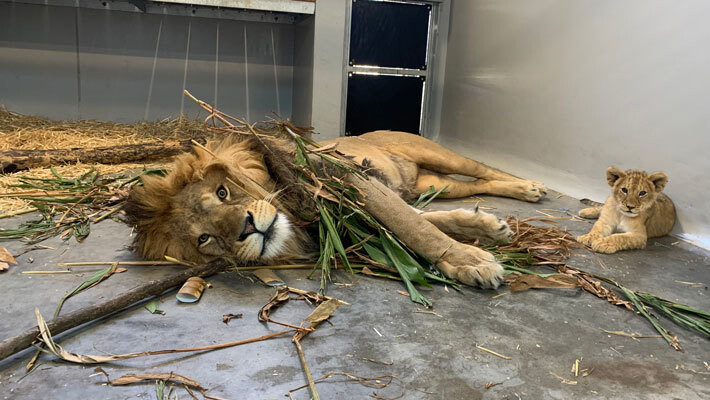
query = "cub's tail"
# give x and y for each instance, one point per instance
(591, 203)
(593, 212)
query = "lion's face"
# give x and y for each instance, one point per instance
(215, 204)
(634, 190)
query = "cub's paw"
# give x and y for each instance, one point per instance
(588, 239)
(604, 246)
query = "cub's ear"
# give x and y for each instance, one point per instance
(659, 180)
(613, 174)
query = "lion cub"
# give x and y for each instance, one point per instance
(635, 211)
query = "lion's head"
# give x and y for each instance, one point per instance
(634, 190)
(217, 202)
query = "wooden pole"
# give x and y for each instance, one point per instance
(81, 316)
(15, 160)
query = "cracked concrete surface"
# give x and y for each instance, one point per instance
(543, 331)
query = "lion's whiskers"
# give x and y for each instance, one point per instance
(272, 196)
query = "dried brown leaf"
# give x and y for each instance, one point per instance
(491, 384)
(6, 257)
(557, 281)
(595, 287)
(136, 378)
(268, 277)
(546, 243)
(228, 317)
(277, 299)
(320, 314)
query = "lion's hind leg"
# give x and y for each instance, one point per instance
(432, 156)
(591, 212)
(456, 189)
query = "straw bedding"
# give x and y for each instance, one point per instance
(19, 131)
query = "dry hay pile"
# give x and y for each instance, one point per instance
(19, 131)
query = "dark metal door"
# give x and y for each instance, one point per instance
(387, 70)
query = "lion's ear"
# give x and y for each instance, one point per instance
(613, 174)
(659, 180)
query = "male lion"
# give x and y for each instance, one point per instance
(229, 201)
(636, 209)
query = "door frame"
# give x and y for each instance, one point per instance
(430, 117)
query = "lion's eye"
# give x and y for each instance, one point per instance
(624, 190)
(642, 193)
(222, 192)
(203, 239)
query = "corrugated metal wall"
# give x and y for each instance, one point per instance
(79, 63)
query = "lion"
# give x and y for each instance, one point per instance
(230, 200)
(636, 210)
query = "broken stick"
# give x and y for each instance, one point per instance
(81, 316)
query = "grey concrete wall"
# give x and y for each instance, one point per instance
(557, 90)
(303, 72)
(77, 63)
(328, 68)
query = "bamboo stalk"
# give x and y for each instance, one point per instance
(493, 352)
(94, 263)
(108, 214)
(86, 196)
(18, 212)
(46, 272)
(38, 193)
(309, 377)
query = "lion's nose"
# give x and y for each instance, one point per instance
(249, 226)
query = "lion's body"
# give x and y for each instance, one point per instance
(221, 202)
(635, 211)
(410, 165)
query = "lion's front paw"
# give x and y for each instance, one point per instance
(482, 226)
(487, 274)
(471, 266)
(604, 245)
(502, 233)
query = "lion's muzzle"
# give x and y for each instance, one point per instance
(265, 231)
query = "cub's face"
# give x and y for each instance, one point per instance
(215, 218)
(635, 191)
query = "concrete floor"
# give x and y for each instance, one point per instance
(543, 331)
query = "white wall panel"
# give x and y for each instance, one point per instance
(557, 90)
